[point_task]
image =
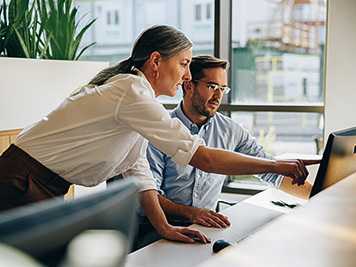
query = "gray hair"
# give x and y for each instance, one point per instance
(164, 39)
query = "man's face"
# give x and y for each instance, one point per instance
(204, 100)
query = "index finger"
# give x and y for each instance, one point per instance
(311, 161)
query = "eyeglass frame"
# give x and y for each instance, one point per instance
(224, 89)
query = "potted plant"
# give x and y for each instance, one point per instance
(32, 35)
(60, 26)
(43, 29)
(17, 29)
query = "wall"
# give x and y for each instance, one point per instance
(31, 88)
(340, 86)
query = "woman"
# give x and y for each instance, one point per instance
(102, 130)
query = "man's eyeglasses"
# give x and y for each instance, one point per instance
(215, 87)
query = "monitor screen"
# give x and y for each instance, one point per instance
(44, 230)
(338, 161)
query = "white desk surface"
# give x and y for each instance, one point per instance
(322, 233)
(248, 216)
(244, 218)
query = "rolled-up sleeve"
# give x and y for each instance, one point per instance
(144, 114)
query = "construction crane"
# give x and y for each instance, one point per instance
(294, 26)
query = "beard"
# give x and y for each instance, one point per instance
(201, 105)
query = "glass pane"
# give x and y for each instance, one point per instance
(119, 22)
(278, 51)
(198, 12)
(281, 133)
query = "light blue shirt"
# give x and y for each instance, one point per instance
(191, 186)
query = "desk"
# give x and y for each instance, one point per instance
(246, 218)
(321, 233)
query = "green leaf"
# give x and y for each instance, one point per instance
(41, 28)
(85, 48)
(22, 43)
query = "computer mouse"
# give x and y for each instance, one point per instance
(221, 244)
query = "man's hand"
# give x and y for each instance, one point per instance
(209, 218)
(203, 217)
(150, 205)
(296, 169)
(183, 234)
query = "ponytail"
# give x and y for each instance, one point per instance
(164, 39)
(124, 66)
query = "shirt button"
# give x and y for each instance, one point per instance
(194, 128)
(195, 195)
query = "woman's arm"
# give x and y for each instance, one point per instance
(150, 205)
(232, 163)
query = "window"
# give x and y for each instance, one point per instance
(275, 49)
(112, 17)
(108, 18)
(208, 11)
(277, 73)
(119, 22)
(198, 12)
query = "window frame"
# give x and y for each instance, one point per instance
(223, 49)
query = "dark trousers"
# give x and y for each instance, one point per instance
(24, 180)
(145, 234)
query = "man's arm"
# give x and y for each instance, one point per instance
(204, 217)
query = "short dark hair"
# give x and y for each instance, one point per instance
(201, 62)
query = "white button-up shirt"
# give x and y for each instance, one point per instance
(101, 131)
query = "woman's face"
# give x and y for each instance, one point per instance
(172, 73)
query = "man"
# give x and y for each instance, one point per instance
(189, 193)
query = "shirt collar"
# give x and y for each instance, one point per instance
(178, 112)
(143, 76)
(140, 73)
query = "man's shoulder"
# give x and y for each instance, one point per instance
(221, 121)
(224, 119)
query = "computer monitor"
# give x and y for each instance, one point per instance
(44, 230)
(338, 161)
